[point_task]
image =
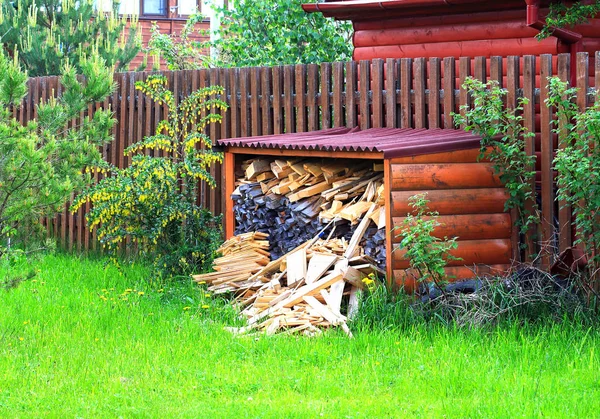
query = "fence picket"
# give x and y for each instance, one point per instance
(420, 68)
(529, 72)
(547, 154)
(449, 89)
(364, 87)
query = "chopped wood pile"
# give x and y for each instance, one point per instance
(312, 287)
(291, 200)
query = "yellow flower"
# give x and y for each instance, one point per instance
(205, 306)
(207, 295)
(141, 293)
(21, 338)
(186, 308)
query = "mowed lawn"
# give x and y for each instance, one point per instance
(79, 340)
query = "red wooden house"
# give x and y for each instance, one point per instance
(454, 28)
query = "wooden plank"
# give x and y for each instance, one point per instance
(338, 101)
(318, 265)
(288, 100)
(479, 71)
(255, 110)
(351, 86)
(278, 114)
(565, 237)
(420, 67)
(359, 232)
(296, 266)
(547, 150)
(312, 77)
(377, 89)
(234, 103)
(265, 101)
(364, 84)
(324, 99)
(311, 289)
(512, 86)
(464, 97)
(449, 88)
(529, 73)
(582, 72)
(323, 310)
(405, 93)
(215, 134)
(496, 70)
(301, 114)
(124, 81)
(391, 107)
(434, 92)
(245, 123)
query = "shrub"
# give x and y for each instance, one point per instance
(427, 254)
(503, 139)
(577, 163)
(42, 163)
(152, 203)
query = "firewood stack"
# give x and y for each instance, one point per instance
(291, 200)
(312, 287)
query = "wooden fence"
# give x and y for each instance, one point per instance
(415, 93)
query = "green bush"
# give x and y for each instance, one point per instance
(152, 203)
(42, 163)
(427, 254)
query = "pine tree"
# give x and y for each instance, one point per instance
(47, 33)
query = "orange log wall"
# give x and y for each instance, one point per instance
(470, 200)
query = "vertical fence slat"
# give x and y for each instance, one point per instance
(449, 91)
(244, 106)
(312, 76)
(265, 103)
(122, 120)
(255, 102)
(464, 99)
(434, 93)
(391, 106)
(405, 92)
(582, 72)
(300, 74)
(564, 209)
(338, 100)
(479, 71)
(547, 153)
(377, 95)
(215, 169)
(512, 85)
(351, 94)
(420, 69)
(364, 87)
(225, 113)
(234, 103)
(288, 98)
(325, 100)
(529, 72)
(278, 114)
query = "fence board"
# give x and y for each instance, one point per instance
(325, 100)
(255, 93)
(434, 93)
(312, 76)
(391, 106)
(547, 151)
(350, 94)
(420, 68)
(288, 92)
(265, 102)
(529, 72)
(464, 99)
(377, 94)
(301, 120)
(449, 88)
(364, 103)
(338, 92)
(405, 92)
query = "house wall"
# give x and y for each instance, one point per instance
(469, 198)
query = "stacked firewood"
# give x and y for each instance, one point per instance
(291, 200)
(312, 287)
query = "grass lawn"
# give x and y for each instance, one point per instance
(82, 341)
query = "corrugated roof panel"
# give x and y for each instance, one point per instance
(392, 142)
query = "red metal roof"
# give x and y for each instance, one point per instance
(349, 9)
(391, 142)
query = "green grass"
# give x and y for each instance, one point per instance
(70, 346)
